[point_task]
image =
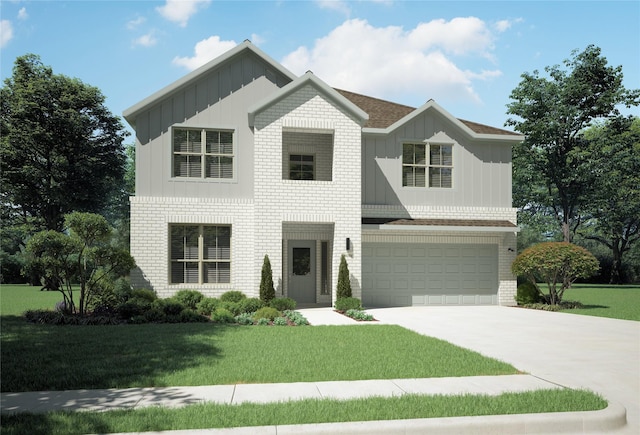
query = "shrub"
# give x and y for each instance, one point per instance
(282, 304)
(295, 317)
(267, 292)
(557, 264)
(222, 315)
(43, 316)
(280, 321)
(189, 298)
(359, 315)
(528, 293)
(155, 315)
(190, 316)
(133, 307)
(244, 319)
(268, 313)
(344, 304)
(144, 294)
(233, 307)
(207, 306)
(232, 296)
(262, 322)
(251, 305)
(344, 283)
(122, 290)
(170, 307)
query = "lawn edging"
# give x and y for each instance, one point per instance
(611, 418)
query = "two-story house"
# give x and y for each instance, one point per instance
(241, 158)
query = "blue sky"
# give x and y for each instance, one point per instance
(468, 56)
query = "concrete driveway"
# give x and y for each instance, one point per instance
(599, 354)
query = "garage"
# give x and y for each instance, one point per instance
(407, 274)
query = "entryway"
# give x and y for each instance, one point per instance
(302, 270)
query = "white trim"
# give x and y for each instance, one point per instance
(447, 228)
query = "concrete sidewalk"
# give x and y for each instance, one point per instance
(172, 397)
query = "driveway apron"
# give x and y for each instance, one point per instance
(576, 351)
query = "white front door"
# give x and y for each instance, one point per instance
(302, 270)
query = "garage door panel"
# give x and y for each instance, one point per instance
(429, 274)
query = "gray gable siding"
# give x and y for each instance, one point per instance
(218, 99)
(481, 169)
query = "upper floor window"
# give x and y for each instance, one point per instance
(200, 254)
(202, 153)
(307, 155)
(301, 167)
(427, 163)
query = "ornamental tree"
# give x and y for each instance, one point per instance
(344, 283)
(267, 292)
(83, 255)
(558, 264)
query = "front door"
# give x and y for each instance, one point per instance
(302, 270)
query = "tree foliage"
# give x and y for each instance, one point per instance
(344, 282)
(558, 264)
(614, 204)
(82, 255)
(267, 291)
(552, 167)
(60, 147)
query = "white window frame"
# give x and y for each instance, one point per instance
(427, 165)
(202, 153)
(200, 260)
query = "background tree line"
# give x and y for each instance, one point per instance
(576, 177)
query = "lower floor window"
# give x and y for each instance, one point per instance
(200, 254)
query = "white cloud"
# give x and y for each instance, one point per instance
(205, 51)
(393, 63)
(148, 40)
(6, 32)
(22, 14)
(180, 11)
(134, 24)
(335, 5)
(257, 39)
(504, 25)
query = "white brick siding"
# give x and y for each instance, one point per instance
(287, 202)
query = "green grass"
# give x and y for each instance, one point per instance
(48, 357)
(602, 300)
(16, 299)
(300, 412)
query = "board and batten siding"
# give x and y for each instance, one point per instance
(218, 99)
(481, 169)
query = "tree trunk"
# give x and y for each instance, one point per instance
(616, 266)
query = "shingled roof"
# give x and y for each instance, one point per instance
(383, 113)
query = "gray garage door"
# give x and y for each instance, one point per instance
(396, 274)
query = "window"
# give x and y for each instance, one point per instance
(200, 254)
(301, 167)
(416, 164)
(201, 153)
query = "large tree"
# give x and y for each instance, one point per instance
(553, 164)
(614, 207)
(61, 149)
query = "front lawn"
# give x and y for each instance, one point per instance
(603, 300)
(49, 357)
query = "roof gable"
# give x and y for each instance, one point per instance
(241, 49)
(310, 79)
(386, 116)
